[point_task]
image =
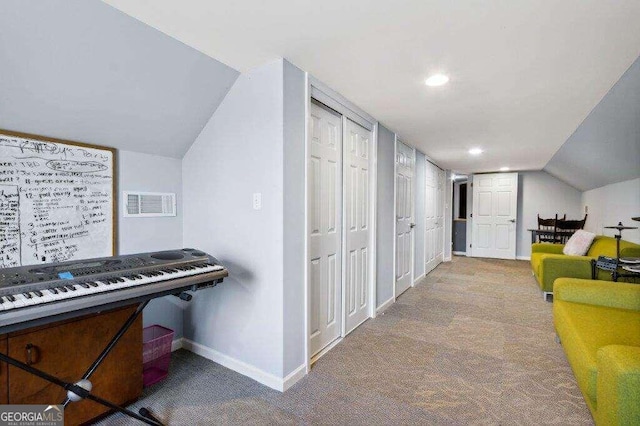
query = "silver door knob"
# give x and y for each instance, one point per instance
(412, 225)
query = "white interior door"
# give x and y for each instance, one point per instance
(495, 209)
(431, 217)
(405, 221)
(440, 216)
(357, 155)
(324, 210)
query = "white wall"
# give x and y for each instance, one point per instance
(541, 193)
(238, 153)
(152, 173)
(294, 209)
(614, 203)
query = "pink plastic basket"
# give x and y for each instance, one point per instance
(156, 353)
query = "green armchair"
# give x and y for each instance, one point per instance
(598, 323)
(549, 263)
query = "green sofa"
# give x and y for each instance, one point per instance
(549, 263)
(598, 323)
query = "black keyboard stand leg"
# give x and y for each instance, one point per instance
(82, 393)
(148, 414)
(112, 343)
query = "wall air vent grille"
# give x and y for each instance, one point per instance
(149, 204)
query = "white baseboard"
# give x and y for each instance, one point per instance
(293, 377)
(260, 376)
(418, 279)
(385, 305)
(325, 350)
(176, 344)
(523, 257)
(459, 253)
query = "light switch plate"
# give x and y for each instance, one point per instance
(257, 201)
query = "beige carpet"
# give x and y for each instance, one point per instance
(472, 343)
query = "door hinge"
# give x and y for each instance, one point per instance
(470, 245)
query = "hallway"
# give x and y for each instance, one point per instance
(473, 343)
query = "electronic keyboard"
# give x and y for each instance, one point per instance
(40, 294)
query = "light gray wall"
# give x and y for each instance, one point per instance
(386, 220)
(419, 230)
(611, 204)
(152, 173)
(293, 221)
(541, 193)
(605, 148)
(82, 70)
(238, 153)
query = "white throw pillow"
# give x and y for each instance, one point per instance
(579, 243)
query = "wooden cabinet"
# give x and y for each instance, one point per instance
(66, 350)
(4, 380)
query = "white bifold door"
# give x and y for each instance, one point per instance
(339, 223)
(434, 216)
(325, 227)
(357, 224)
(495, 209)
(405, 221)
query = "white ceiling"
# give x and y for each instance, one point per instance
(605, 148)
(524, 74)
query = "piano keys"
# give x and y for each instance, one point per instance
(38, 294)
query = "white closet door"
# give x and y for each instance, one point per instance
(357, 157)
(440, 216)
(495, 209)
(324, 210)
(431, 216)
(405, 207)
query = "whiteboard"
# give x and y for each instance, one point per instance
(56, 200)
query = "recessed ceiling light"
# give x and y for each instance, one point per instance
(437, 80)
(475, 151)
(504, 169)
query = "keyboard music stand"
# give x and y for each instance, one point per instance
(208, 274)
(82, 388)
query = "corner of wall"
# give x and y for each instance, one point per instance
(238, 153)
(294, 231)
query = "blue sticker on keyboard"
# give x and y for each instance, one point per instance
(65, 275)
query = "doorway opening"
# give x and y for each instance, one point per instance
(460, 210)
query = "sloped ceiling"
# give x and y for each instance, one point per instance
(524, 73)
(605, 148)
(82, 70)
